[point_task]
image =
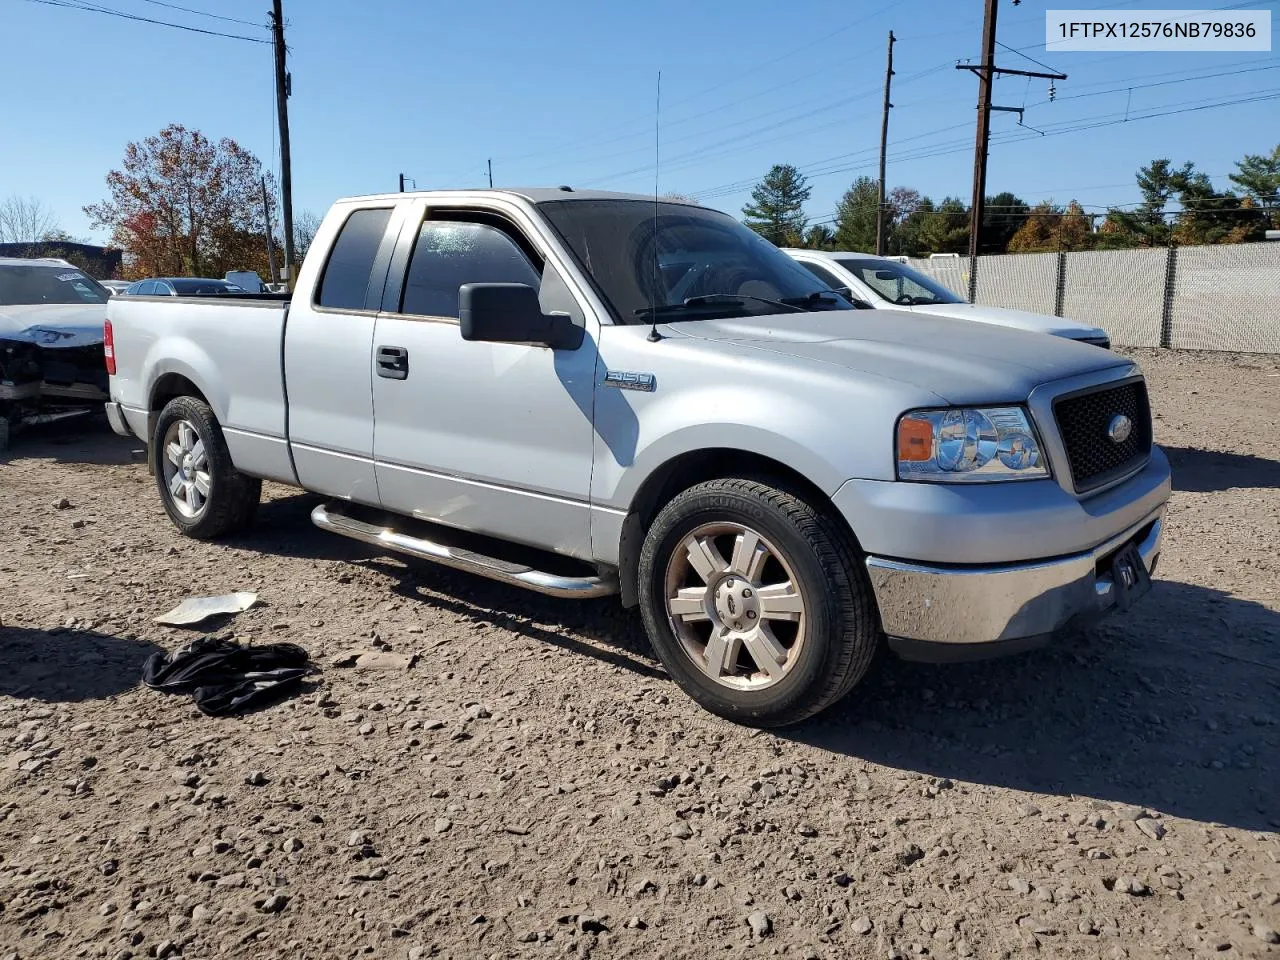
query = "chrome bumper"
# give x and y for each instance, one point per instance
(115, 417)
(971, 607)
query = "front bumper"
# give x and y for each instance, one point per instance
(935, 612)
(65, 375)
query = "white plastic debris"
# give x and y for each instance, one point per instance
(194, 609)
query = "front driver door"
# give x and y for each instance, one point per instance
(494, 438)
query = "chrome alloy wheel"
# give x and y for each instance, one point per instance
(186, 469)
(742, 620)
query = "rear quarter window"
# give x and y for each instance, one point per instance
(345, 282)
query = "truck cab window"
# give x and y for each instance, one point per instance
(450, 253)
(345, 284)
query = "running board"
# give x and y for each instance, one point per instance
(329, 517)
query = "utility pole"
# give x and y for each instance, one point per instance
(490, 173)
(987, 72)
(985, 76)
(271, 247)
(402, 183)
(283, 89)
(884, 141)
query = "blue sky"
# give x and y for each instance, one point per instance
(562, 91)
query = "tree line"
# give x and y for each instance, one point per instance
(1180, 205)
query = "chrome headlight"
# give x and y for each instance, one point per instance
(968, 445)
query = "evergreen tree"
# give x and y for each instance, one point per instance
(856, 216)
(820, 237)
(777, 208)
(1259, 177)
(1002, 217)
(1159, 183)
(1209, 216)
(944, 228)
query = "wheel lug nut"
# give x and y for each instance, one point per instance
(751, 614)
(746, 593)
(729, 582)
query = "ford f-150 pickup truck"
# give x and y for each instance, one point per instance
(587, 393)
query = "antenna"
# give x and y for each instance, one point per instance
(654, 336)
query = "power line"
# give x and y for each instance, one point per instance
(824, 38)
(1025, 57)
(203, 13)
(641, 134)
(1160, 83)
(69, 5)
(813, 167)
(941, 149)
(752, 123)
(752, 135)
(825, 69)
(1165, 73)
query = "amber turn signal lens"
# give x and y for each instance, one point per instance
(915, 440)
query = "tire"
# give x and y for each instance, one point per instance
(6, 433)
(202, 491)
(789, 618)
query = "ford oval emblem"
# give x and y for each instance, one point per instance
(1119, 428)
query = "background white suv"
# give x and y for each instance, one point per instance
(878, 283)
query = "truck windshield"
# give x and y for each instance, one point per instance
(682, 262)
(48, 283)
(897, 283)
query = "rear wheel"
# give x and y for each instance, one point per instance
(203, 493)
(756, 601)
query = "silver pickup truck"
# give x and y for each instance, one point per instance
(587, 393)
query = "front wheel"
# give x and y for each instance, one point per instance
(203, 493)
(756, 602)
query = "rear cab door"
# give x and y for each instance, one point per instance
(328, 350)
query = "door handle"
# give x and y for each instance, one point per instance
(393, 363)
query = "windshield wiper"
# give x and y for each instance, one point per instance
(711, 299)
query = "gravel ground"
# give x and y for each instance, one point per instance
(534, 785)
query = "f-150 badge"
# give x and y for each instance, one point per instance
(628, 380)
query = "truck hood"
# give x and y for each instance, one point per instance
(957, 361)
(1004, 317)
(53, 325)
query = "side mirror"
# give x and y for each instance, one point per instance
(510, 313)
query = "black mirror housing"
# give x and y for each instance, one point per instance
(510, 313)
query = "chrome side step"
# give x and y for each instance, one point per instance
(328, 517)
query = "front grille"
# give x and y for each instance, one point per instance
(1084, 421)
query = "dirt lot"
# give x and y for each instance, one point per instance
(535, 786)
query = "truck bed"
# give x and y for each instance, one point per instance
(230, 345)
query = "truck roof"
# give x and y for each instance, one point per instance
(532, 194)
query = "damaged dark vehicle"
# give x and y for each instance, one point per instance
(51, 343)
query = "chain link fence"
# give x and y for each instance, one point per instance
(1224, 297)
